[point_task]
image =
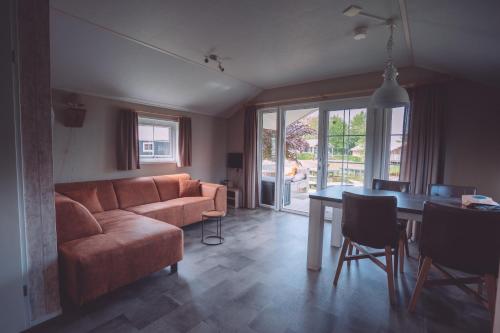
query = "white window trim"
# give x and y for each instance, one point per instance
(174, 133)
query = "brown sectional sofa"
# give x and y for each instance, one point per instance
(113, 232)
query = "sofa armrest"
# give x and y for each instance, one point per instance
(218, 193)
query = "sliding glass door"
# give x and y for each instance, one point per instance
(305, 148)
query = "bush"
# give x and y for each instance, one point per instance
(305, 156)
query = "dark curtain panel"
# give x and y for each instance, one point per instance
(128, 141)
(250, 186)
(422, 161)
(185, 145)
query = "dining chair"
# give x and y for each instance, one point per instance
(449, 191)
(461, 239)
(404, 187)
(370, 221)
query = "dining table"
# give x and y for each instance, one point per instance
(409, 207)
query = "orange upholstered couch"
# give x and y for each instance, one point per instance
(113, 232)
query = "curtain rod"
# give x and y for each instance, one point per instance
(338, 95)
(159, 114)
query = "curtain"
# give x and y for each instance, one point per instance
(128, 141)
(185, 144)
(422, 160)
(250, 186)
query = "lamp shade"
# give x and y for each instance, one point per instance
(390, 94)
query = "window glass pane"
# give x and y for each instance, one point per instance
(157, 140)
(336, 123)
(346, 147)
(357, 122)
(397, 123)
(397, 143)
(146, 133)
(162, 133)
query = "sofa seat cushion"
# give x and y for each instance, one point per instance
(112, 215)
(166, 211)
(135, 191)
(193, 207)
(127, 250)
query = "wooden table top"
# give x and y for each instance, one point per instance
(410, 203)
(213, 213)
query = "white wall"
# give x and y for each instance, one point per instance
(13, 312)
(89, 153)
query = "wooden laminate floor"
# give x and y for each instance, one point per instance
(257, 281)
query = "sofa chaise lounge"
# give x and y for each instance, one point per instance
(113, 232)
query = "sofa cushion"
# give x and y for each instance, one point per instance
(105, 191)
(193, 207)
(189, 188)
(135, 191)
(73, 220)
(128, 249)
(168, 185)
(166, 211)
(111, 216)
(87, 196)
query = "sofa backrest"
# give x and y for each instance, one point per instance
(105, 191)
(135, 191)
(168, 185)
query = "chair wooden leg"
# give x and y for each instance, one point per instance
(422, 276)
(402, 245)
(396, 260)
(420, 262)
(349, 252)
(346, 243)
(407, 247)
(491, 289)
(390, 277)
(357, 251)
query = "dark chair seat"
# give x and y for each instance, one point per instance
(461, 239)
(370, 221)
(404, 187)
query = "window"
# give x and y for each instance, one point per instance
(157, 140)
(398, 141)
(346, 147)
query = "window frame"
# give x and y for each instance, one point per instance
(173, 127)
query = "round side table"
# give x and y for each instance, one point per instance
(212, 215)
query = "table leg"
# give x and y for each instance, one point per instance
(496, 320)
(315, 236)
(336, 237)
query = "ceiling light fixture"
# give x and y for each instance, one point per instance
(390, 94)
(352, 11)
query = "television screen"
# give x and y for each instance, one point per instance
(235, 160)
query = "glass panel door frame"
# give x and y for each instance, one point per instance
(260, 128)
(344, 104)
(283, 110)
(377, 150)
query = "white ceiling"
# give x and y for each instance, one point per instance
(152, 51)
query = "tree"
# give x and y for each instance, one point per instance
(335, 133)
(296, 134)
(357, 126)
